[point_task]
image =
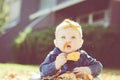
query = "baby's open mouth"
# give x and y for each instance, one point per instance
(68, 46)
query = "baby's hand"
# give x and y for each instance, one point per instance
(60, 60)
(82, 70)
(83, 73)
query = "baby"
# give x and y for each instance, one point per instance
(67, 56)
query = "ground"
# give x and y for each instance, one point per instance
(17, 71)
(25, 72)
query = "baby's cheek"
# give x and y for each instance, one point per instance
(76, 44)
(61, 47)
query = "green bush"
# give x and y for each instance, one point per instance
(35, 47)
(101, 43)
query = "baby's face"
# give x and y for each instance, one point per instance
(68, 40)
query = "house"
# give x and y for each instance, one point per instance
(39, 14)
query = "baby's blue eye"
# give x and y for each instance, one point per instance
(73, 37)
(63, 37)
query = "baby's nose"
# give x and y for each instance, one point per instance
(68, 42)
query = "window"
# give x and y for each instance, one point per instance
(47, 4)
(11, 10)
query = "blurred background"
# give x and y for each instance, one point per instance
(27, 28)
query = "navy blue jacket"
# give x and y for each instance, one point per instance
(47, 68)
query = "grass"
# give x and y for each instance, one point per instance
(110, 74)
(17, 71)
(24, 72)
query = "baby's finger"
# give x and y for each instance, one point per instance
(77, 68)
(75, 71)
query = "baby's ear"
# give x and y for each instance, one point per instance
(82, 41)
(55, 43)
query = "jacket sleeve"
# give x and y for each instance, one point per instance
(94, 65)
(47, 68)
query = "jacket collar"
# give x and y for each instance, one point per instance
(56, 51)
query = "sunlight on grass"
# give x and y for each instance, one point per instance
(17, 71)
(110, 74)
(24, 72)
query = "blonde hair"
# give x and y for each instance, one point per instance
(67, 23)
